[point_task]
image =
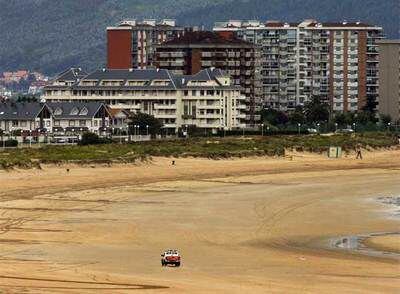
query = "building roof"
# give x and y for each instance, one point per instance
(71, 74)
(128, 74)
(74, 110)
(149, 77)
(205, 38)
(308, 23)
(114, 112)
(11, 110)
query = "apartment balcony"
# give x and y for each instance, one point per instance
(206, 54)
(164, 106)
(233, 63)
(241, 107)
(212, 106)
(206, 63)
(177, 54)
(352, 84)
(165, 116)
(209, 116)
(164, 54)
(177, 63)
(170, 126)
(126, 106)
(220, 54)
(372, 52)
(215, 125)
(164, 63)
(220, 63)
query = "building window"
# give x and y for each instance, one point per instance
(95, 123)
(15, 123)
(71, 123)
(58, 111)
(74, 111)
(186, 93)
(82, 123)
(23, 123)
(57, 123)
(84, 111)
(47, 123)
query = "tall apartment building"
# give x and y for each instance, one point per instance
(196, 51)
(207, 100)
(131, 43)
(389, 78)
(336, 61)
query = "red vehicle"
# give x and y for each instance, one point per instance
(171, 257)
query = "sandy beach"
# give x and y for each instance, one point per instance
(251, 225)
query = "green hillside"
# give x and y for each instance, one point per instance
(50, 35)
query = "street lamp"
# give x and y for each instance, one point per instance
(147, 130)
(336, 126)
(318, 125)
(262, 130)
(354, 127)
(137, 127)
(299, 126)
(389, 124)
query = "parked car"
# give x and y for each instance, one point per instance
(312, 131)
(345, 131)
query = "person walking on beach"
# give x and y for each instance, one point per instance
(358, 152)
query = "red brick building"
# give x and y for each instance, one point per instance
(131, 43)
(196, 51)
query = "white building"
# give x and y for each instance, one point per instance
(54, 118)
(336, 61)
(31, 116)
(207, 100)
(79, 117)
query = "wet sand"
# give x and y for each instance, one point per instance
(252, 225)
(390, 243)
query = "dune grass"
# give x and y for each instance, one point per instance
(214, 148)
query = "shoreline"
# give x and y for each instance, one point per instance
(381, 245)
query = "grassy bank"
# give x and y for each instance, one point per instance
(197, 147)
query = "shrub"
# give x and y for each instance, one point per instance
(9, 143)
(92, 139)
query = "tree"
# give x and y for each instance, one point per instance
(385, 119)
(365, 117)
(343, 119)
(27, 98)
(297, 116)
(145, 121)
(316, 110)
(89, 138)
(274, 117)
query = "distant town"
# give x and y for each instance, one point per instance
(22, 82)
